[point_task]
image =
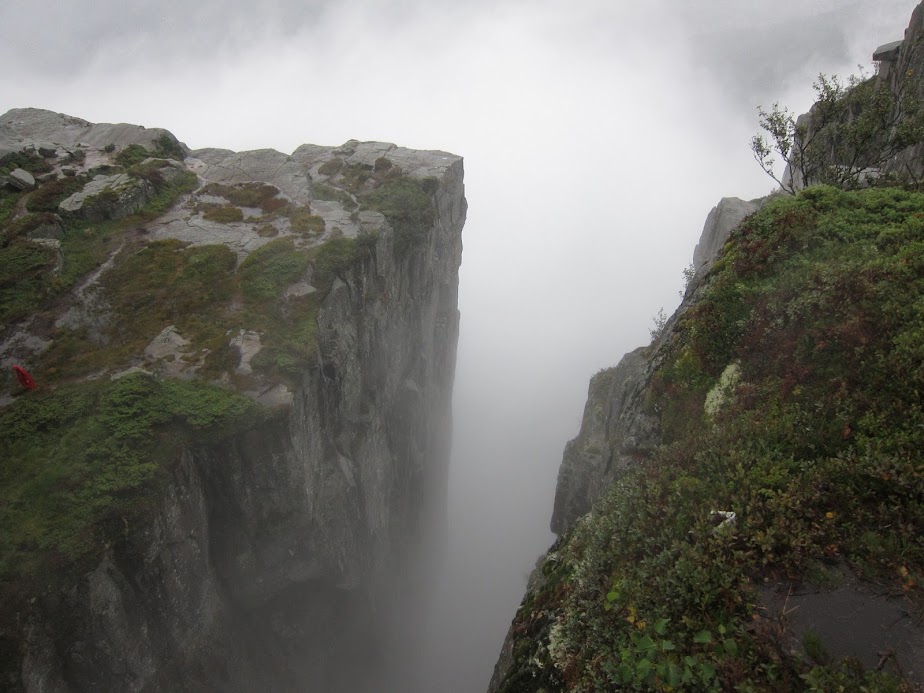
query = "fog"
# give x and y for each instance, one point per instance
(597, 135)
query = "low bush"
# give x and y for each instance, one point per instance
(267, 271)
(82, 459)
(224, 214)
(48, 196)
(817, 449)
(407, 204)
(247, 195)
(303, 221)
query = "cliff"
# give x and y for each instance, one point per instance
(240, 433)
(741, 509)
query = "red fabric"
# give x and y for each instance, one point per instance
(25, 378)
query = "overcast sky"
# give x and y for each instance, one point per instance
(597, 134)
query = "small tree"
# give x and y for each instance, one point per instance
(660, 322)
(846, 139)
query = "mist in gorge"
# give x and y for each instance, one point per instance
(596, 137)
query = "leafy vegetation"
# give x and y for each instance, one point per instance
(271, 268)
(131, 155)
(852, 131)
(47, 197)
(407, 204)
(224, 214)
(816, 447)
(248, 195)
(81, 461)
(28, 161)
(303, 221)
(165, 147)
(328, 192)
(85, 245)
(23, 287)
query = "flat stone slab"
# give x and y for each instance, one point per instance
(260, 166)
(852, 620)
(241, 237)
(299, 289)
(22, 179)
(168, 343)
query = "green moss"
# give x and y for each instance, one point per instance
(167, 146)
(85, 245)
(164, 147)
(83, 461)
(8, 200)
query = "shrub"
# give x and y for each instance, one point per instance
(26, 224)
(334, 258)
(131, 155)
(407, 204)
(49, 195)
(166, 146)
(247, 195)
(853, 129)
(28, 161)
(817, 450)
(224, 214)
(83, 458)
(23, 279)
(304, 221)
(328, 192)
(271, 268)
(331, 168)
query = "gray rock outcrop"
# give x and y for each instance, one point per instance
(108, 197)
(38, 129)
(724, 217)
(265, 165)
(21, 179)
(615, 430)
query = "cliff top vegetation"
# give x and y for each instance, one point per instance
(814, 445)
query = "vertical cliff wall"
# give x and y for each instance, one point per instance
(271, 557)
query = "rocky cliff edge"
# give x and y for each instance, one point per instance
(241, 426)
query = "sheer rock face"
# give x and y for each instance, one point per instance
(614, 431)
(272, 558)
(906, 69)
(617, 427)
(724, 217)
